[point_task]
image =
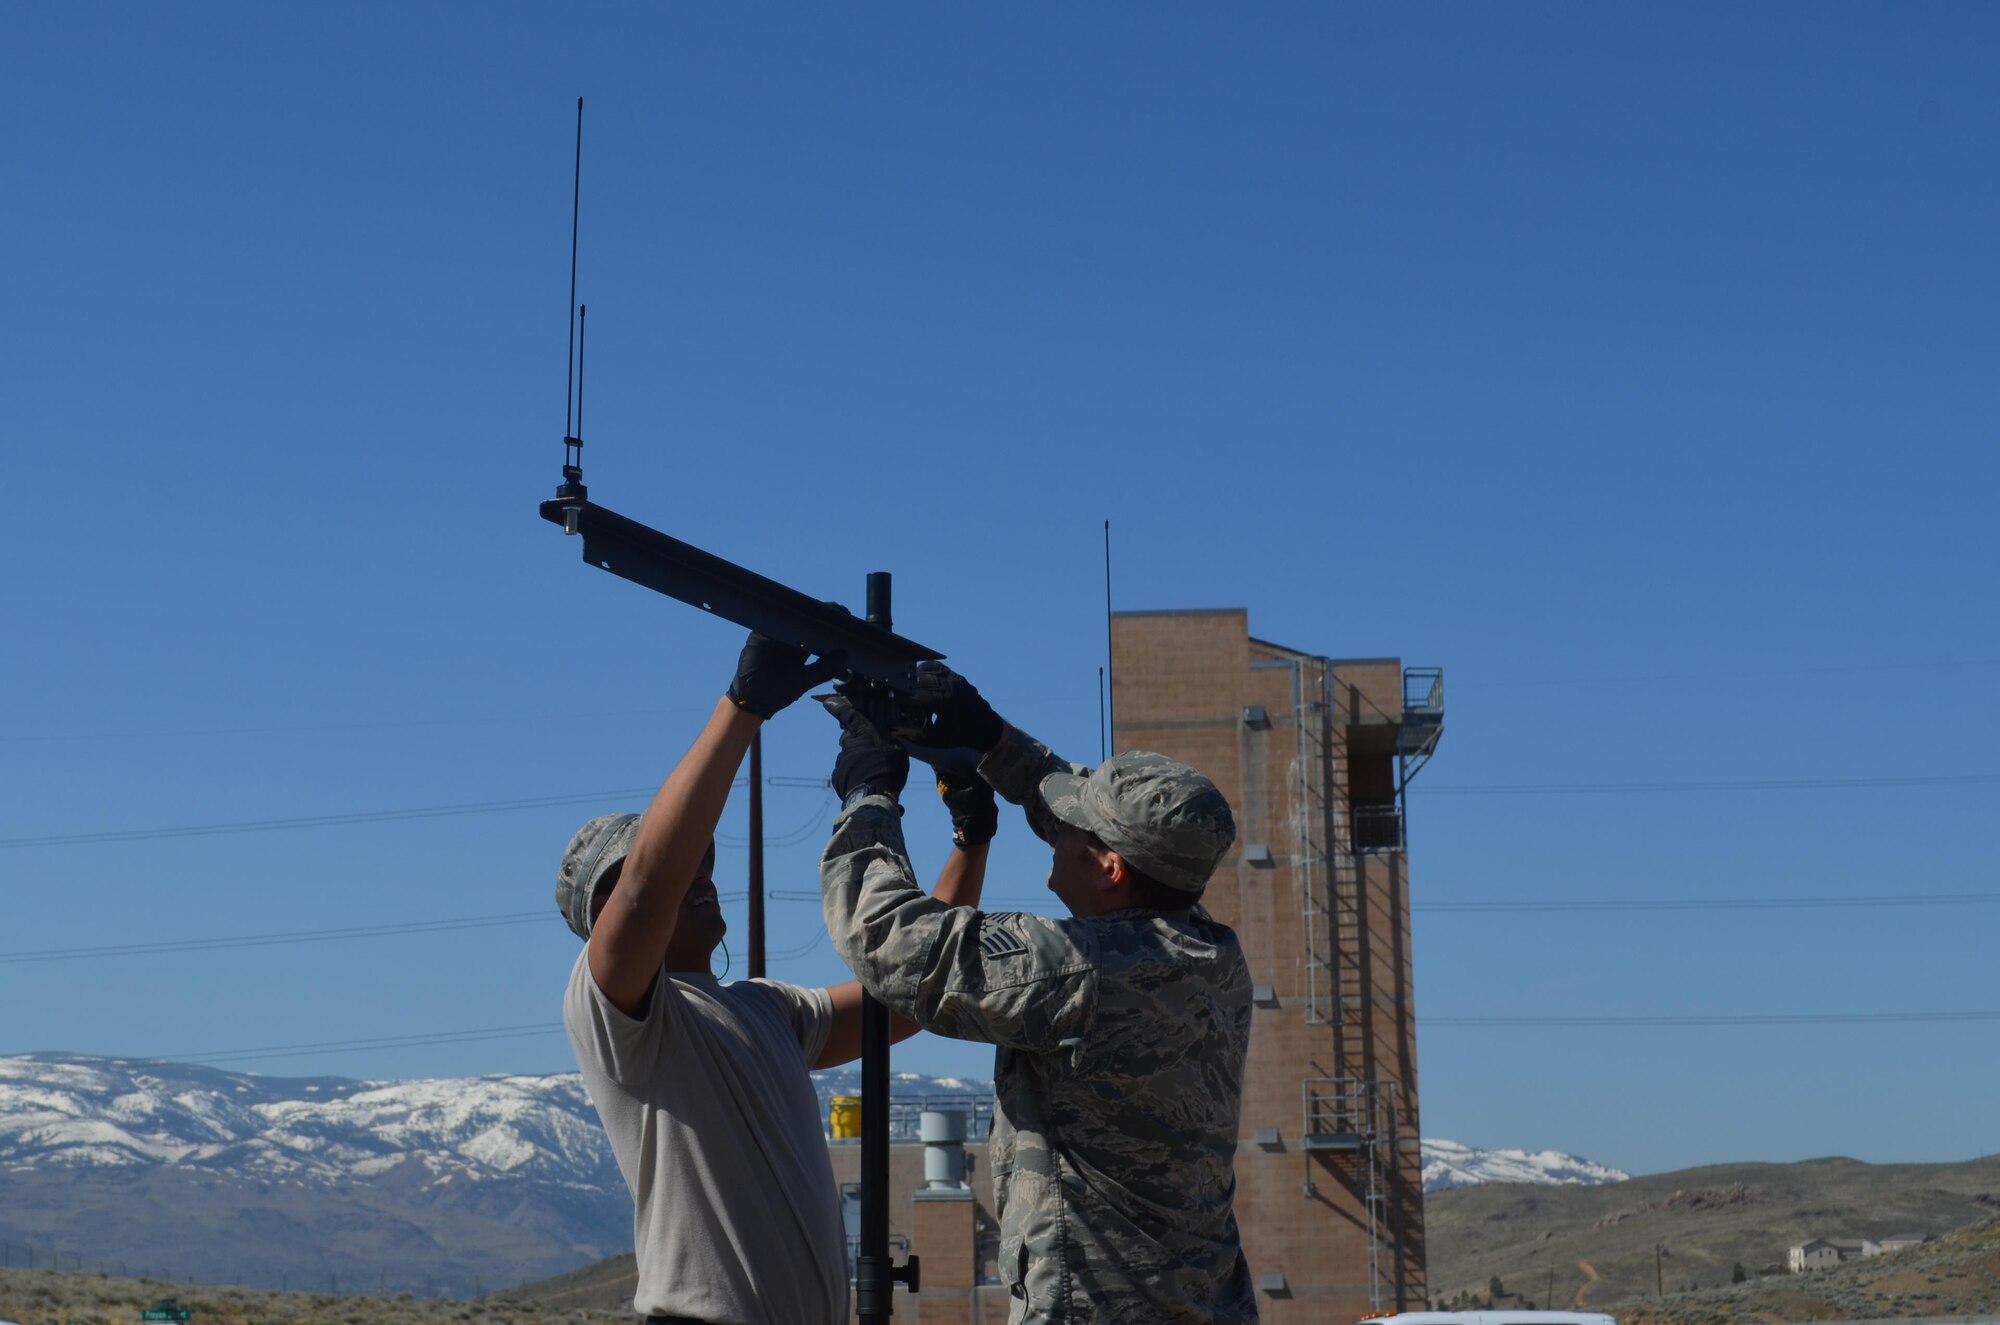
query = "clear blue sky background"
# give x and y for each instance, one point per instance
(1635, 364)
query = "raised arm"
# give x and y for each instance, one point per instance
(974, 819)
(629, 941)
(959, 726)
(1004, 978)
(1010, 979)
(1015, 767)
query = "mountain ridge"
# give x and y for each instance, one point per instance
(478, 1181)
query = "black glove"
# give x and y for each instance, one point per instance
(975, 814)
(770, 675)
(868, 758)
(950, 712)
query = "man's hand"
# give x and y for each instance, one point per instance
(868, 758)
(770, 675)
(952, 713)
(975, 813)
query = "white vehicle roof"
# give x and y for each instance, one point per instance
(1491, 1318)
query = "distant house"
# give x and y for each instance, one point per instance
(1902, 1240)
(1825, 1253)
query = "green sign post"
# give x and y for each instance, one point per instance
(167, 1309)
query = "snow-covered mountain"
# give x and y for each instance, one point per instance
(452, 1183)
(1449, 1164)
(65, 1109)
(71, 1110)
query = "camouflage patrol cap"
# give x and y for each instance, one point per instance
(1166, 818)
(596, 849)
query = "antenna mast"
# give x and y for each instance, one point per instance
(571, 488)
(1110, 681)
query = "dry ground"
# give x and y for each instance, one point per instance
(44, 1297)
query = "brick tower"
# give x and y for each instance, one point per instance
(1313, 754)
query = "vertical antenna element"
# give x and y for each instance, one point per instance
(575, 215)
(1102, 741)
(572, 470)
(1111, 678)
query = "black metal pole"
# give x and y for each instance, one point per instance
(757, 856)
(1111, 675)
(874, 1279)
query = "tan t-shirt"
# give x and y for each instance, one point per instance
(716, 1128)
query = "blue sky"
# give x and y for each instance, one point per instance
(1636, 365)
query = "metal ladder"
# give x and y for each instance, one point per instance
(1310, 820)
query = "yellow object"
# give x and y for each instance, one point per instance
(844, 1118)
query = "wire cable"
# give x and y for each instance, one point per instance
(271, 940)
(348, 933)
(793, 954)
(1651, 788)
(1751, 1019)
(622, 794)
(1718, 903)
(292, 936)
(630, 793)
(1844, 669)
(320, 820)
(791, 837)
(1721, 1019)
(358, 1045)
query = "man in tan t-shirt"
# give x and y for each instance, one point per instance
(702, 1087)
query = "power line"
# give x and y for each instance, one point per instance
(1719, 903)
(1721, 1019)
(356, 1046)
(380, 724)
(348, 933)
(622, 794)
(1650, 788)
(290, 729)
(1748, 1019)
(294, 936)
(1737, 675)
(271, 940)
(791, 837)
(320, 820)
(792, 954)
(630, 793)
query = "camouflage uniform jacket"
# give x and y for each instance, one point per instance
(1118, 1076)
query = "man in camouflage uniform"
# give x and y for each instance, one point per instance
(1121, 1030)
